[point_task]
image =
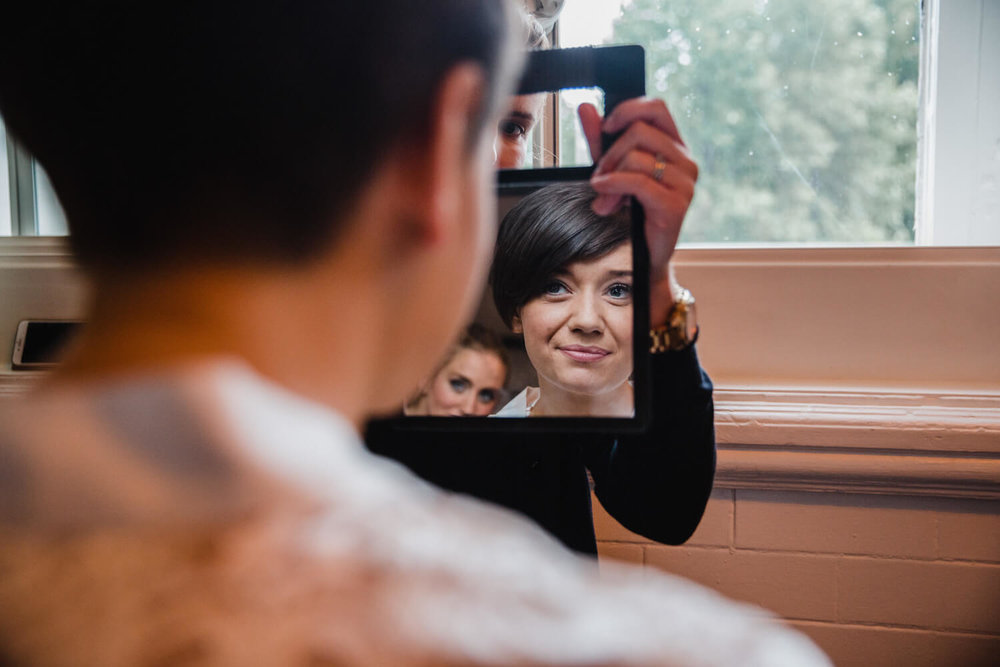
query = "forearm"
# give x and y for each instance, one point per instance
(657, 483)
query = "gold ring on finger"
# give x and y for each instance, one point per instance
(659, 164)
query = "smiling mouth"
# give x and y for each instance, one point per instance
(584, 353)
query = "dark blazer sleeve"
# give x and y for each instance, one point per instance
(657, 483)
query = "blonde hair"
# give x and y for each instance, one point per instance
(474, 337)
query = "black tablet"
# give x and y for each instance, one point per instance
(553, 345)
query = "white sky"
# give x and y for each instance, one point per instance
(584, 22)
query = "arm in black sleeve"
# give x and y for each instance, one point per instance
(657, 483)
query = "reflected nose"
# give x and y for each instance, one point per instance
(586, 317)
(469, 405)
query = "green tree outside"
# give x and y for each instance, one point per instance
(802, 115)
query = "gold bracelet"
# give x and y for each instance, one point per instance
(680, 331)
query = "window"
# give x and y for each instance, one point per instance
(845, 122)
(5, 223)
(805, 116)
(28, 204)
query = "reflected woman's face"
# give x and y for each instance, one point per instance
(468, 385)
(578, 333)
(516, 124)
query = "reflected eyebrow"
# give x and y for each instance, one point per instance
(623, 273)
(520, 115)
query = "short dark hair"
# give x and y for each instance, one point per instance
(544, 233)
(185, 131)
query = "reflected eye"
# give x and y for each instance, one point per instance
(555, 288)
(458, 385)
(487, 396)
(512, 129)
(620, 291)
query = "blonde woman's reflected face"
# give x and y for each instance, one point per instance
(467, 386)
(514, 129)
(578, 333)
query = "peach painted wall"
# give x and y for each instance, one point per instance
(873, 579)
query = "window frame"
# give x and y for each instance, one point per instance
(959, 129)
(20, 167)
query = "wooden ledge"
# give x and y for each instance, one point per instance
(943, 444)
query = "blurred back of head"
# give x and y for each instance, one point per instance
(180, 132)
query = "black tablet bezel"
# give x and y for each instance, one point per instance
(619, 71)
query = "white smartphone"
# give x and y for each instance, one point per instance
(39, 343)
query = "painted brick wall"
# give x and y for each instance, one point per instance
(874, 580)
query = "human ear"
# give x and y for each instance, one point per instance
(515, 324)
(440, 180)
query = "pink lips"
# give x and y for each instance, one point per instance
(584, 353)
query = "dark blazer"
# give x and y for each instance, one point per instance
(655, 484)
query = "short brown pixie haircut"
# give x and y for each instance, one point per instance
(229, 130)
(544, 233)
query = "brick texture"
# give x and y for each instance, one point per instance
(866, 646)
(625, 553)
(875, 580)
(857, 646)
(791, 585)
(715, 528)
(831, 523)
(945, 596)
(970, 531)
